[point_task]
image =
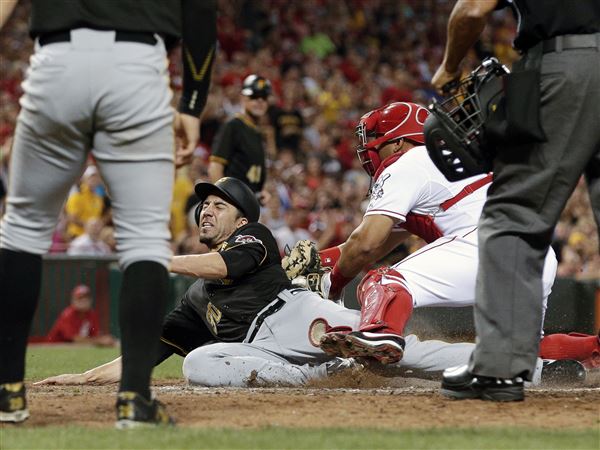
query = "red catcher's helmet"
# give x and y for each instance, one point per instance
(393, 122)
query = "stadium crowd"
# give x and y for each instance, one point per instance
(329, 63)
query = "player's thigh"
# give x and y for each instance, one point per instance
(43, 169)
(134, 116)
(141, 193)
(442, 273)
(288, 331)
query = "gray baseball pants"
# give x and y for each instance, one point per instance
(86, 96)
(283, 353)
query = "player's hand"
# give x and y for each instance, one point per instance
(187, 134)
(442, 77)
(301, 260)
(64, 379)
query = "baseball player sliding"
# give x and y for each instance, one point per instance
(409, 195)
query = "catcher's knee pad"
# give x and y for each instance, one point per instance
(385, 307)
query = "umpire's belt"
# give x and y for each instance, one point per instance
(571, 42)
(271, 308)
(122, 36)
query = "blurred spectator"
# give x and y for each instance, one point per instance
(90, 243)
(78, 322)
(329, 61)
(84, 203)
(287, 120)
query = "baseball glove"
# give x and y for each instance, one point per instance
(301, 260)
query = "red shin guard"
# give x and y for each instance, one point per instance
(384, 308)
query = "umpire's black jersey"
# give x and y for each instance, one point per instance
(239, 147)
(254, 278)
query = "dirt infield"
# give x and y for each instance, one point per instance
(345, 401)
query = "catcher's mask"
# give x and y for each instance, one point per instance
(233, 191)
(393, 122)
(455, 130)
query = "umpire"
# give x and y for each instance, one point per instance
(556, 85)
(98, 83)
(239, 151)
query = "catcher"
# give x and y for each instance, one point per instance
(409, 195)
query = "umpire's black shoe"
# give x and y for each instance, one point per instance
(13, 404)
(134, 411)
(461, 384)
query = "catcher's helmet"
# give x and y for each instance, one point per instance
(455, 130)
(256, 86)
(399, 120)
(232, 190)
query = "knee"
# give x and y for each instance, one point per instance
(207, 366)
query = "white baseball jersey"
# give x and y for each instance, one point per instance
(416, 194)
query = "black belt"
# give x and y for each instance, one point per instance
(266, 313)
(123, 36)
(571, 42)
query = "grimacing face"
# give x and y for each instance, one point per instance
(218, 220)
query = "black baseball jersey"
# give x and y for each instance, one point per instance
(239, 147)
(254, 278)
(538, 21)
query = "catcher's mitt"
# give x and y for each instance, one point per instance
(301, 260)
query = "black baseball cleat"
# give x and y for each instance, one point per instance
(334, 343)
(387, 348)
(563, 371)
(460, 384)
(134, 411)
(13, 404)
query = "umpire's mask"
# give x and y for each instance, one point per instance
(458, 130)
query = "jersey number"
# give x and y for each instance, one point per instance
(253, 173)
(213, 316)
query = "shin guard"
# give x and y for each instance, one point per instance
(384, 308)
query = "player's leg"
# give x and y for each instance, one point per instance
(141, 194)
(47, 158)
(295, 331)
(133, 145)
(244, 365)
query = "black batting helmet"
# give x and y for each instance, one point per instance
(256, 86)
(233, 191)
(458, 130)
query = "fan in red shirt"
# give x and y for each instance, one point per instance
(79, 322)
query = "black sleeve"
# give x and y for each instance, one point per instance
(199, 24)
(245, 254)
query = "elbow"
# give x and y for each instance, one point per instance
(475, 11)
(364, 248)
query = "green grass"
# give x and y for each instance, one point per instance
(44, 361)
(285, 438)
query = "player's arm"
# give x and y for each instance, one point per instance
(198, 53)
(209, 266)
(6, 9)
(367, 243)
(467, 21)
(104, 374)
